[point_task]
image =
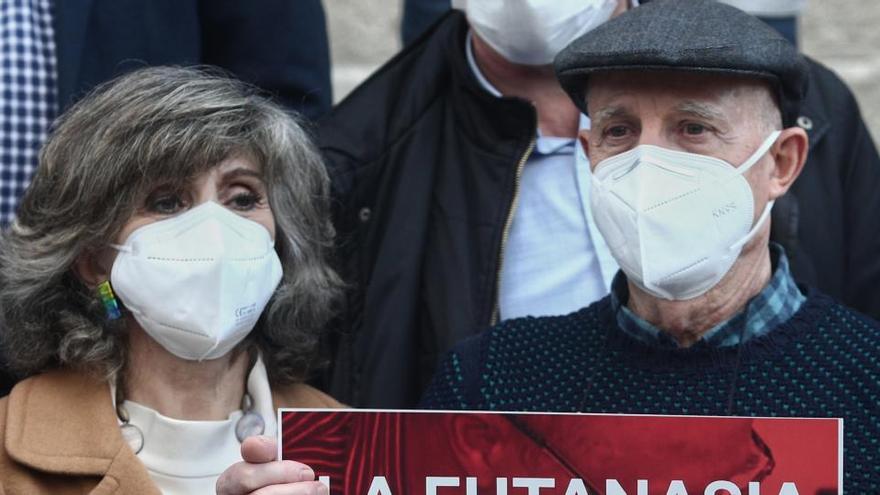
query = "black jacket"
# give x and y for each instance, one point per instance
(829, 222)
(424, 163)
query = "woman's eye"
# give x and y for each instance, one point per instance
(166, 205)
(244, 201)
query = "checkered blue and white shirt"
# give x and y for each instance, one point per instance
(28, 95)
(773, 306)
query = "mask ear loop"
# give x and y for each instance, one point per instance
(754, 230)
(757, 155)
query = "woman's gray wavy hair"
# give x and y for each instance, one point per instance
(157, 126)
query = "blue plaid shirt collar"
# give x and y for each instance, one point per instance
(774, 305)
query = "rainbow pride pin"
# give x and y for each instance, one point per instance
(109, 300)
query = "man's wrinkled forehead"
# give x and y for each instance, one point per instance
(710, 97)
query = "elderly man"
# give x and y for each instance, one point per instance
(455, 163)
(691, 142)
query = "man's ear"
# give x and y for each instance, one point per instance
(789, 154)
(90, 270)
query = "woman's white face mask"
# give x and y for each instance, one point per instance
(198, 282)
(532, 32)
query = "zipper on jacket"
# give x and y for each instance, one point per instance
(505, 234)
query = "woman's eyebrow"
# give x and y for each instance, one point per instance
(241, 172)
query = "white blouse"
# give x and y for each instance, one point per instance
(185, 457)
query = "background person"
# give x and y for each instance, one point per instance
(692, 140)
(450, 168)
(781, 15)
(418, 15)
(204, 207)
(53, 52)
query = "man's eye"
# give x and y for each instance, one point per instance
(694, 129)
(617, 131)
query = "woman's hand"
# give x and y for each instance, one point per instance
(260, 474)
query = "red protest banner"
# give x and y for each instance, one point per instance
(359, 452)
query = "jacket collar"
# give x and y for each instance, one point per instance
(73, 413)
(505, 124)
(63, 423)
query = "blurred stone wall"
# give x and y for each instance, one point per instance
(363, 35)
(842, 34)
(845, 35)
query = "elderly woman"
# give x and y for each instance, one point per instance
(163, 288)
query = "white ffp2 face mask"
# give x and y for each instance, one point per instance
(197, 282)
(675, 221)
(532, 32)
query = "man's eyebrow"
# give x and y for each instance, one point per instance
(700, 109)
(609, 113)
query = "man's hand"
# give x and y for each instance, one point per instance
(260, 474)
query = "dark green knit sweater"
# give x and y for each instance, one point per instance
(823, 362)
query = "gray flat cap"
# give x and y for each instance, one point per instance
(686, 35)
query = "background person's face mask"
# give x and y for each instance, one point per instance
(198, 282)
(532, 32)
(675, 221)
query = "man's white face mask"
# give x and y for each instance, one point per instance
(675, 221)
(532, 32)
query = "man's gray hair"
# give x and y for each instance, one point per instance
(159, 126)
